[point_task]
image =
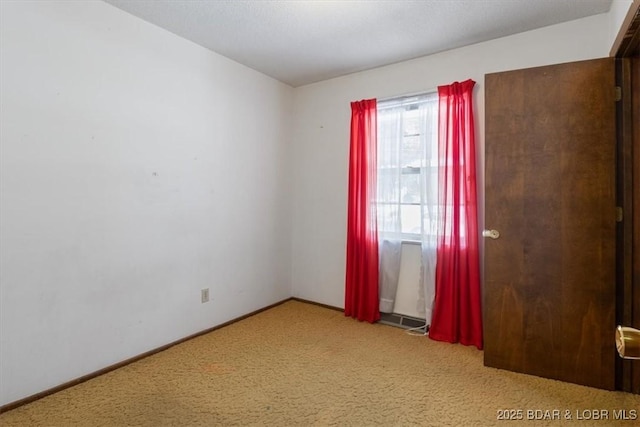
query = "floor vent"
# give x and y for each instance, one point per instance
(401, 321)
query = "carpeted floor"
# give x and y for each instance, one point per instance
(302, 365)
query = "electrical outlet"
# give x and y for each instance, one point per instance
(204, 295)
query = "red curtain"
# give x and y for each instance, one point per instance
(457, 309)
(361, 283)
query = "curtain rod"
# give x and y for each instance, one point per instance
(409, 95)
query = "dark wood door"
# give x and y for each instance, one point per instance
(549, 289)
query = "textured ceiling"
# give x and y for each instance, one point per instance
(305, 41)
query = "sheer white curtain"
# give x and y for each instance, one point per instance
(407, 192)
(429, 207)
(390, 131)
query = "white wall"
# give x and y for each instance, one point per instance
(617, 13)
(321, 133)
(136, 169)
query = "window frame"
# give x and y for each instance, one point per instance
(407, 102)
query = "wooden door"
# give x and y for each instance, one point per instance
(549, 289)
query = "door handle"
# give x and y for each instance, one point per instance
(628, 342)
(494, 234)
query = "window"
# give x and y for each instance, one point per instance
(407, 166)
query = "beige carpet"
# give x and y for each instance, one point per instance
(302, 365)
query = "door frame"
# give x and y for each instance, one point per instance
(626, 50)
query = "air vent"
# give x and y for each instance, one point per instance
(401, 321)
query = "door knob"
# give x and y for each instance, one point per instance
(494, 234)
(628, 342)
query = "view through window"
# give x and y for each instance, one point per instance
(407, 180)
